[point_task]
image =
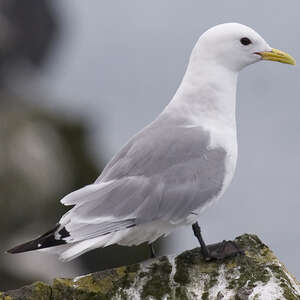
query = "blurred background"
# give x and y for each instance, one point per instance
(77, 81)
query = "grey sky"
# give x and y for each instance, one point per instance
(120, 62)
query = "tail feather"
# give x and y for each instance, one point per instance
(44, 241)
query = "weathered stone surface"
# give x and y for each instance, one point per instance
(257, 275)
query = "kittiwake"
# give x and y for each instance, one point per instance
(174, 168)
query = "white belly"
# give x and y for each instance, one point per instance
(225, 138)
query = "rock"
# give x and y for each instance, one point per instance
(257, 275)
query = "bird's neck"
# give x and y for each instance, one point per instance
(207, 94)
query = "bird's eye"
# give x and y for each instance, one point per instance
(245, 41)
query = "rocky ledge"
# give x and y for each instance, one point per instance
(256, 275)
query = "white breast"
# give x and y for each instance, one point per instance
(221, 137)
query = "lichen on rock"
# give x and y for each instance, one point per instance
(256, 275)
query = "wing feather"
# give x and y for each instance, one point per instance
(164, 172)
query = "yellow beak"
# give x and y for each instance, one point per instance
(277, 55)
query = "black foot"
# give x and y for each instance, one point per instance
(222, 250)
(216, 251)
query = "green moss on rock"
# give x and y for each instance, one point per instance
(101, 285)
(36, 291)
(182, 261)
(187, 276)
(158, 283)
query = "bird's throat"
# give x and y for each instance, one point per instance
(209, 93)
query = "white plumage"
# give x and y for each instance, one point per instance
(174, 168)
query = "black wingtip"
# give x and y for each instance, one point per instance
(31, 245)
(44, 241)
(14, 250)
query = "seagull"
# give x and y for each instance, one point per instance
(171, 171)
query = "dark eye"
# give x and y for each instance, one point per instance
(245, 41)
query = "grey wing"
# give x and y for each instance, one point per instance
(164, 172)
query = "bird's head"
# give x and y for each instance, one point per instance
(235, 46)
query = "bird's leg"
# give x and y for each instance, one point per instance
(216, 251)
(152, 251)
(197, 233)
